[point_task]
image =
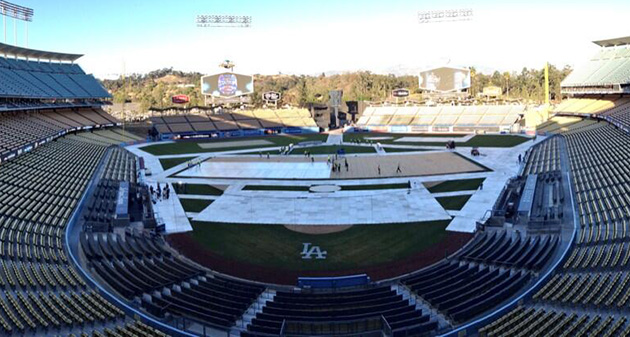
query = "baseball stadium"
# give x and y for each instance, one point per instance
(241, 205)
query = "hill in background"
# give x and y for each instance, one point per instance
(155, 89)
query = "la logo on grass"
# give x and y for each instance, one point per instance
(308, 251)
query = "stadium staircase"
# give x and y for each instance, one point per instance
(257, 306)
(422, 305)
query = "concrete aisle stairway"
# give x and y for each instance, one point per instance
(256, 307)
(422, 305)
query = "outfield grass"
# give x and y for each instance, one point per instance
(307, 188)
(194, 205)
(276, 188)
(191, 146)
(476, 141)
(332, 149)
(361, 136)
(457, 185)
(167, 163)
(480, 141)
(496, 141)
(198, 189)
(358, 246)
(398, 149)
(454, 203)
(374, 187)
(263, 152)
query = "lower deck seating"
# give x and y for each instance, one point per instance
(595, 275)
(515, 252)
(543, 158)
(548, 322)
(42, 293)
(462, 291)
(340, 307)
(136, 264)
(21, 128)
(236, 121)
(489, 270)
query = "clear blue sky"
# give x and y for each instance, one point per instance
(315, 36)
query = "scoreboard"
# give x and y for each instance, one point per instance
(227, 85)
(444, 79)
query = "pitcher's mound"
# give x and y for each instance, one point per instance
(317, 229)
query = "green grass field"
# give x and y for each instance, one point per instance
(167, 163)
(198, 189)
(276, 188)
(374, 187)
(457, 185)
(263, 152)
(332, 149)
(398, 149)
(476, 141)
(297, 188)
(361, 136)
(194, 205)
(358, 246)
(182, 147)
(454, 203)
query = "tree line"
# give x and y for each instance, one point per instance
(155, 88)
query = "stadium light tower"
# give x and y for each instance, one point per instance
(17, 12)
(445, 15)
(224, 21)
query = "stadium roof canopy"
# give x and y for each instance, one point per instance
(606, 72)
(620, 41)
(6, 49)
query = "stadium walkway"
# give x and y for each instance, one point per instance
(504, 164)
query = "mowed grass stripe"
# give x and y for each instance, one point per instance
(454, 203)
(476, 141)
(361, 136)
(398, 149)
(375, 187)
(198, 189)
(194, 205)
(168, 163)
(457, 185)
(479, 141)
(191, 146)
(295, 188)
(276, 188)
(333, 149)
(278, 247)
